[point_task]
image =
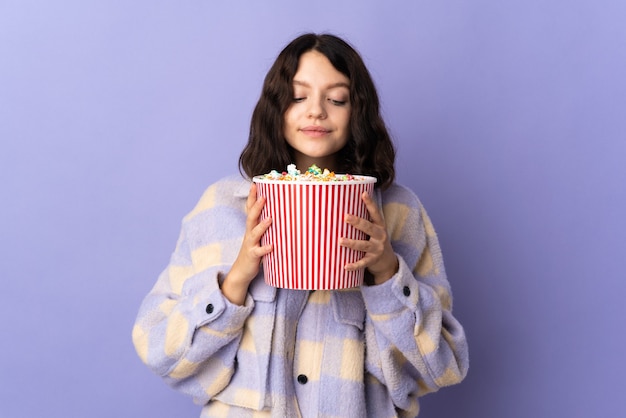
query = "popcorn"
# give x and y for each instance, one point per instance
(313, 173)
(292, 170)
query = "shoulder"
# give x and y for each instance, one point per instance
(404, 214)
(400, 195)
(229, 191)
(231, 186)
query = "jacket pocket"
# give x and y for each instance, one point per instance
(348, 307)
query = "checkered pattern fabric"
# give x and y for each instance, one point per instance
(370, 351)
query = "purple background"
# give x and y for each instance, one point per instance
(509, 119)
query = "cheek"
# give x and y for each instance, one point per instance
(345, 123)
(289, 125)
(289, 118)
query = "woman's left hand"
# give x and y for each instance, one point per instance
(379, 259)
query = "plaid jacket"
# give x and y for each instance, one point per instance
(361, 352)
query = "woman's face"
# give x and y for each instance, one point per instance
(317, 123)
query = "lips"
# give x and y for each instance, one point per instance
(314, 131)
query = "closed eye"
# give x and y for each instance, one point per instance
(338, 102)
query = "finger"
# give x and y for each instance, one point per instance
(361, 224)
(252, 198)
(257, 231)
(357, 265)
(262, 250)
(372, 209)
(254, 213)
(357, 245)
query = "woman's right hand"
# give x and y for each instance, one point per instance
(246, 266)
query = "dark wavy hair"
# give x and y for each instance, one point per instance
(369, 150)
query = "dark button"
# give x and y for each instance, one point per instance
(302, 379)
(209, 308)
(406, 291)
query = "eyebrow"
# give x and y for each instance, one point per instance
(328, 87)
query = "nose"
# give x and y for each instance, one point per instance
(317, 109)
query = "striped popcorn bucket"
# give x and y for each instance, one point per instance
(307, 222)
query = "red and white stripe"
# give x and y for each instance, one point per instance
(308, 220)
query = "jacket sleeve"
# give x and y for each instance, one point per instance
(414, 343)
(186, 331)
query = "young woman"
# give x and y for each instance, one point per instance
(213, 329)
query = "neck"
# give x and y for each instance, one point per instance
(303, 162)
